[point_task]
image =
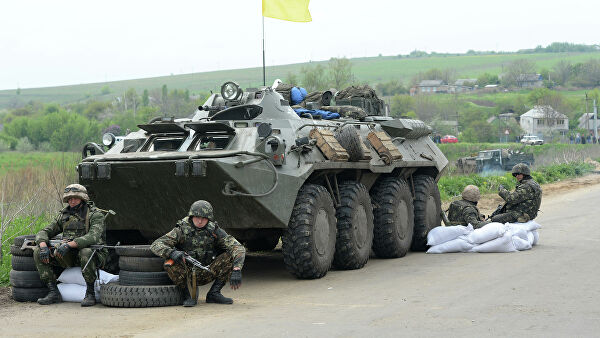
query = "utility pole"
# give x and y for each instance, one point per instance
(595, 120)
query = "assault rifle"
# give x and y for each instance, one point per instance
(189, 259)
(55, 243)
(499, 210)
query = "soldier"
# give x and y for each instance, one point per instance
(523, 204)
(199, 236)
(464, 211)
(82, 225)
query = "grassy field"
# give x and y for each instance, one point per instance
(12, 161)
(370, 70)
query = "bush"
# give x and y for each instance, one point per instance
(24, 145)
(4, 146)
(45, 147)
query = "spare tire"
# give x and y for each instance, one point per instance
(141, 264)
(23, 263)
(25, 279)
(144, 278)
(134, 251)
(16, 251)
(349, 138)
(428, 208)
(18, 241)
(28, 294)
(114, 294)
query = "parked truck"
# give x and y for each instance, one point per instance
(493, 160)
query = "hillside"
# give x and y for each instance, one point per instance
(370, 70)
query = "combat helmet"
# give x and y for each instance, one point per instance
(75, 190)
(521, 168)
(201, 208)
(471, 193)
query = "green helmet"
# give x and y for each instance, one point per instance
(77, 191)
(471, 193)
(521, 168)
(201, 208)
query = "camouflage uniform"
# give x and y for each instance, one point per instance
(523, 204)
(202, 244)
(85, 226)
(463, 212)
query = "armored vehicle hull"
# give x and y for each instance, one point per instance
(331, 189)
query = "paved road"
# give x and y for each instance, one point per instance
(552, 290)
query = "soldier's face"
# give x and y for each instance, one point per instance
(519, 177)
(74, 201)
(199, 222)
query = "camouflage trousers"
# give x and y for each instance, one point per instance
(221, 269)
(75, 257)
(511, 217)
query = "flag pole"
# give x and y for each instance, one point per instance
(263, 48)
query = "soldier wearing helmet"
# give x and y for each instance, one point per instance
(464, 211)
(81, 225)
(521, 205)
(199, 236)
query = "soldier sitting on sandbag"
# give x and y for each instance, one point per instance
(521, 205)
(464, 211)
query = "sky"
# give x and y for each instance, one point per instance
(51, 43)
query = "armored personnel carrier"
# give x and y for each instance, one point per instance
(332, 190)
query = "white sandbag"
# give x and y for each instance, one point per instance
(75, 292)
(73, 276)
(442, 234)
(530, 237)
(519, 232)
(528, 226)
(456, 245)
(487, 233)
(536, 237)
(500, 244)
(521, 244)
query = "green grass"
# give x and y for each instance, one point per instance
(453, 151)
(369, 70)
(11, 161)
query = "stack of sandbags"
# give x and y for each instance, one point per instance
(72, 286)
(493, 237)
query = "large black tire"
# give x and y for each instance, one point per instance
(25, 279)
(354, 227)
(23, 263)
(266, 243)
(144, 278)
(308, 244)
(349, 138)
(135, 251)
(18, 241)
(394, 217)
(141, 264)
(28, 294)
(428, 208)
(114, 294)
(16, 251)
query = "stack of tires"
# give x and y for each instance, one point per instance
(142, 281)
(24, 277)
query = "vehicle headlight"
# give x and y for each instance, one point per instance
(108, 139)
(231, 91)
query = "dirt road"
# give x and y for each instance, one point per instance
(552, 290)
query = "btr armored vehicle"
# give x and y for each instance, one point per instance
(332, 190)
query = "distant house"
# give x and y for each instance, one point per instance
(431, 87)
(586, 121)
(544, 121)
(530, 80)
(464, 85)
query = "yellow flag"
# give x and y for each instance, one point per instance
(289, 10)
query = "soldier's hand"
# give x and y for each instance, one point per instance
(62, 250)
(236, 279)
(177, 255)
(501, 187)
(44, 254)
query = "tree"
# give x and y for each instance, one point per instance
(562, 72)
(514, 71)
(340, 71)
(588, 74)
(314, 78)
(390, 88)
(487, 79)
(291, 78)
(401, 105)
(145, 98)
(105, 90)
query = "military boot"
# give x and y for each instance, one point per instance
(52, 297)
(214, 294)
(90, 296)
(188, 301)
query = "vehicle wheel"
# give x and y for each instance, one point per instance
(135, 251)
(18, 241)
(428, 208)
(23, 263)
(349, 139)
(267, 243)
(28, 294)
(394, 217)
(114, 294)
(308, 244)
(25, 279)
(144, 278)
(16, 251)
(141, 264)
(354, 227)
